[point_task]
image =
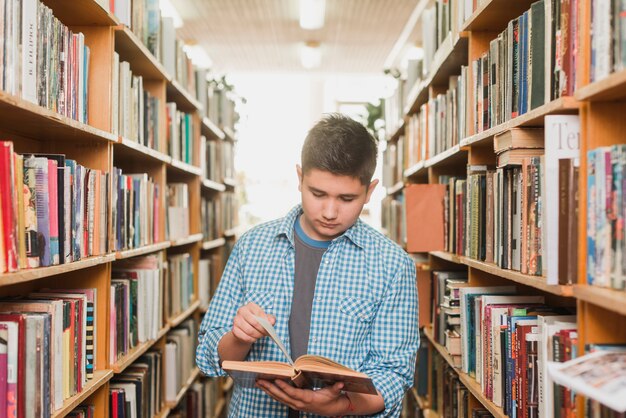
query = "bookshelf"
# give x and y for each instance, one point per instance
(98, 145)
(598, 101)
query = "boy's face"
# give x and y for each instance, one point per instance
(331, 203)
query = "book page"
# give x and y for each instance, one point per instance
(272, 333)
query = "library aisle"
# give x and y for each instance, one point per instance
(503, 167)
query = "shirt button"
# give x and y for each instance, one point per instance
(327, 261)
(319, 299)
(314, 339)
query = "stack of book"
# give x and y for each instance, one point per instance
(446, 312)
(177, 211)
(137, 212)
(54, 210)
(199, 401)
(210, 216)
(181, 134)
(46, 349)
(136, 393)
(44, 62)
(180, 284)
(608, 39)
(180, 350)
(136, 304)
(135, 113)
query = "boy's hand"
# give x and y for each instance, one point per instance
(328, 401)
(246, 328)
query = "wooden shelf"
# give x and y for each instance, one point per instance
(194, 375)
(449, 58)
(191, 239)
(100, 377)
(230, 233)
(396, 188)
(421, 402)
(454, 155)
(211, 130)
(229, 182)
(216, 243)
(610, 299)
(612, 87)
(134, 149)
(141, 60)
(494, 15)
(152, 248)
(185, 168)
(394, 137)
(175, 321)
(415, 170)
(184, 100)
(229, 133)
(164, 412)
(136, 352)
(219, 408)
(213, 185)
(536, 282)
(81, 13)
(228, 385)
(467, 381)
(532, 118)
(28, 119)
(28, 275)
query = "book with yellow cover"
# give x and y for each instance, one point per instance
(307, 371)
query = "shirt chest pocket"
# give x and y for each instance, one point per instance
(263, 299)
(358, 309)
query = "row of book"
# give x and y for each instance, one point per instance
(177, 211)
(530, 63)
(181, 290)
(209, 273)
(200, 400)
(137, 304)
(218, 102)
(606, 264)
(439, 23)
(217, 159)
(136, 392)
(180, 350)
(393, 220)
(181, 134)
(608, 38)
(513, 346)
(47, 349)
(135, 113)
(42, 60)
(53, 209)
(393, 162)
(137, 212)
(213, 226)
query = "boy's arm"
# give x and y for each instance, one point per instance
(218, 320)
(395, 339)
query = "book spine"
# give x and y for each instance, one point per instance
(9, 211)
(53, 211)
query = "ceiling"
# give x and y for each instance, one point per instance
(243, 36)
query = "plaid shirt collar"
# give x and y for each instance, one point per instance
(354, 233)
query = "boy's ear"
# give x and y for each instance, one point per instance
(299, 171)
(370, 189)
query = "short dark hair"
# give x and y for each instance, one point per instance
(340, 145)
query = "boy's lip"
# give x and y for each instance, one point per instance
(327, 225)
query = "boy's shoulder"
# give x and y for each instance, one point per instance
(375, 241)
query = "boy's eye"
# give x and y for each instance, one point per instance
(347, 199)
(318, 194)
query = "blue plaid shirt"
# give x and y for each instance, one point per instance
(364, 312)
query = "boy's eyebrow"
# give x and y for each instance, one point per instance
(343, 195)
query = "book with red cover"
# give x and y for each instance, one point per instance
(424, 202)
(9, 215)
(15, 392)
(4, 339)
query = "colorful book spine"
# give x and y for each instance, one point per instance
(53, 211)
(30, 213)
(9, 210)
(43, 210)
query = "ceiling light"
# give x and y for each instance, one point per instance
(310, 55)
(198, 56)
(312, 14)
(168, 10)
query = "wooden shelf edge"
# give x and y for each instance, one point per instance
(219, 408)
(610, 88)
(469, 382)
(229, 133)
(214, 130)
(396, 134)
(610, 299)
(216, 243)
(229, 182)
(536, 282)
(100, 378)
(228, 385)
(164, 412)
(136, 352)
(187, 168)
(152, 248)
(139, 49)
(28, 275)
(178, 90)
(175, 321)
(396, 188)
(414, 170)
(559, 105)
(443, 156)
(230, 233)
(144, 150)
(213, 185)
(191, 239)
(38, 114)
(194, 375)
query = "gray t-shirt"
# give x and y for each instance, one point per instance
(309, 254)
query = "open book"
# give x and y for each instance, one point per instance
(306, 371)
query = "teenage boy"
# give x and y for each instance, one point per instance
(330, 285)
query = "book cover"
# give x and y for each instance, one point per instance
(53, 211)
(306, 371)
(9, 215)
(29, 195)
(43, 210)
(29, 51)
(4, 341)
(15, 363)
(18, 189)
(537, 43)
